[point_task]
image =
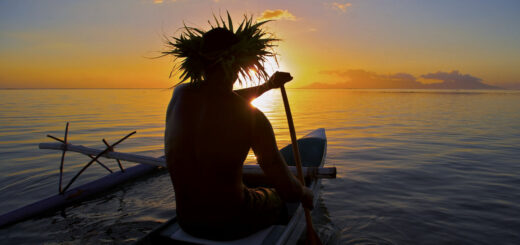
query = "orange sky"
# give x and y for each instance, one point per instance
(95, 44)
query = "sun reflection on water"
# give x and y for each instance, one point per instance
(265, 102)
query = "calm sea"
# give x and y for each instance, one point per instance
(414, 167)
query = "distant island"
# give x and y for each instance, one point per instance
(361, 79)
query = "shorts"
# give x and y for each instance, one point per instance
(262, 208)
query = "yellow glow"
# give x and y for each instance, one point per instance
(265, 102)
(271, 67)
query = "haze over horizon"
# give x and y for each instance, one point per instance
(390, 44)
(360, 79)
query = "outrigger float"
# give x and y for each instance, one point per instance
(67, 197)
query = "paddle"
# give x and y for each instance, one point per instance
(312, 237)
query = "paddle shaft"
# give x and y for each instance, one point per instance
(297, 160)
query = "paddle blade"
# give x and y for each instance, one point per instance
(312, 237)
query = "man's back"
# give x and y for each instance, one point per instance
(208, 135)
(209, 131)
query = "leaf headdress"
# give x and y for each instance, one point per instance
(249, 53)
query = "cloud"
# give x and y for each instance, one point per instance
(277, 14)
(361, 79)
(365, 79)
(340, 6)
(162, 1)
(453, 76)
(455, 79)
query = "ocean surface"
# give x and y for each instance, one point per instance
(414, 166)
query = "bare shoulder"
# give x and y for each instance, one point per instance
(178, 91)
(181, 88)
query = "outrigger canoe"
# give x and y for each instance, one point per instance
(313, 149)
(92, 189)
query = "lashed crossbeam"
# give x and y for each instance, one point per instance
(309, 172)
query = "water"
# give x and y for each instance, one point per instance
(414, 167)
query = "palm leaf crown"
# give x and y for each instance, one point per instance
(249, 53)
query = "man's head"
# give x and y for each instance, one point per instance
(214, 42)
(222, 50)
(218, 39)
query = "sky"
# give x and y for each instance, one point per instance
(112, 43)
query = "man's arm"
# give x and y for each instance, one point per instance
(252, 93)
(273, 164)
(275, 81)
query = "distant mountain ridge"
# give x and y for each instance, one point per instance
(360, 79)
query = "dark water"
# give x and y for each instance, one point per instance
(414, 167)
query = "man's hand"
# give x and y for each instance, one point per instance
(278, 79)
(307, 198)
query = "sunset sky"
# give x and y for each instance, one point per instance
(110, 44)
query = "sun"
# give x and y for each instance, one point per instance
(266, 100)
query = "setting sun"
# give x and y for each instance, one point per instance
(271, 66)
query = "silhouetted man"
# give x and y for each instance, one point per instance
(209, 131)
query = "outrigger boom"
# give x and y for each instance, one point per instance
(309, 172)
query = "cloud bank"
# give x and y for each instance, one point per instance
(361, 79)
(339, 6)
(454, 79)
(277, 14)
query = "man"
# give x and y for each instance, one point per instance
(209, 131)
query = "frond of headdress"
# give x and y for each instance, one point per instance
(248, 54)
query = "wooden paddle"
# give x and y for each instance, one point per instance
(312, 237)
